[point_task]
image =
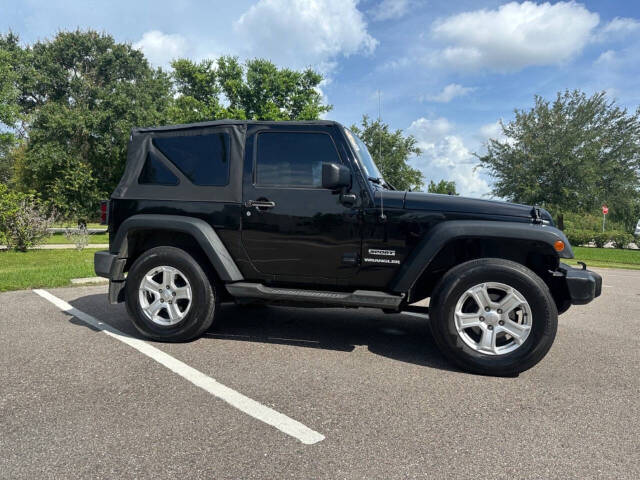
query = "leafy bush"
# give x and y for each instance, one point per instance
(621, 239)
(589, 222)
(579, 237)
(600, 238)
(23, 221)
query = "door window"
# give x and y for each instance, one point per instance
(293, 159)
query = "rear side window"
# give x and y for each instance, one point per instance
(203, 159)
(293, 159)
(154, 172)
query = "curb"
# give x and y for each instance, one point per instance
(89, 281)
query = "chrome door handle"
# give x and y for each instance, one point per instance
(260, 204)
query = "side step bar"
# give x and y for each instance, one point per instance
(359, 298)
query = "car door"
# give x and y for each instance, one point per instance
(292, 228)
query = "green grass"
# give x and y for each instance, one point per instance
(60, 238)
(607, 257)
(44, 268)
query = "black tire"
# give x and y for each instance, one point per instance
(204, 299)
(464, 276)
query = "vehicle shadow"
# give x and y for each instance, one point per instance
(396, 336)
(400, 337)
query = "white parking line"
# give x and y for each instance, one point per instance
(617, 274)
(244, 404)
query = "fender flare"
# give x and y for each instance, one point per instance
(443, 233)
(197, 228)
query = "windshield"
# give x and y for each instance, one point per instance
(363, 156)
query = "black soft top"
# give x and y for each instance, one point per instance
(141, 143)
(221, 123)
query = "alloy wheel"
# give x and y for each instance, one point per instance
(493, 318)
(165, 295)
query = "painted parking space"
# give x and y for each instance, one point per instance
(372, 384)
(235, 399)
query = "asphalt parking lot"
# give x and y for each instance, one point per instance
(78, 403)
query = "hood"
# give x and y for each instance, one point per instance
(455, 204)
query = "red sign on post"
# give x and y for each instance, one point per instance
(605, 209)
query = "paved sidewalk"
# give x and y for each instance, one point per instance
(66, 229)
(62, 246)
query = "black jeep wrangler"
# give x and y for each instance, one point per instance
(297, 213)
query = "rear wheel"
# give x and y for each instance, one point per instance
(168, 295)
(493, 317)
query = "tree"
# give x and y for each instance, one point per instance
(570, 155)
(256, 90)
(67, 106)
(390, 151)
(443, 186)
(82, 93)
(9, 108)
(198, 92)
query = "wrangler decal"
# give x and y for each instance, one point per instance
(381, 260)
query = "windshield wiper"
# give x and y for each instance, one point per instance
(381, 181)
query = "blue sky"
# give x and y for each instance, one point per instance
(448, 71)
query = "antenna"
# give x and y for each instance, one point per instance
(382, 215)
(379, 127)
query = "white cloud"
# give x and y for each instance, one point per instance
(301, 33)
(430, 130)
(492, 130)
(613, 72)
(514, 36)
(390, 10)
(450, 92)
(445, 156)
(620, 29)
(396, 64)
(160, 48)
(621, 25)
(606, 57)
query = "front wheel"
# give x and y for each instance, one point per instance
(493, 317)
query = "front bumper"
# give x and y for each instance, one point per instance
(583, 285)
(109, 265)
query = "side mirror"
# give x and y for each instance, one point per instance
(335, 176)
